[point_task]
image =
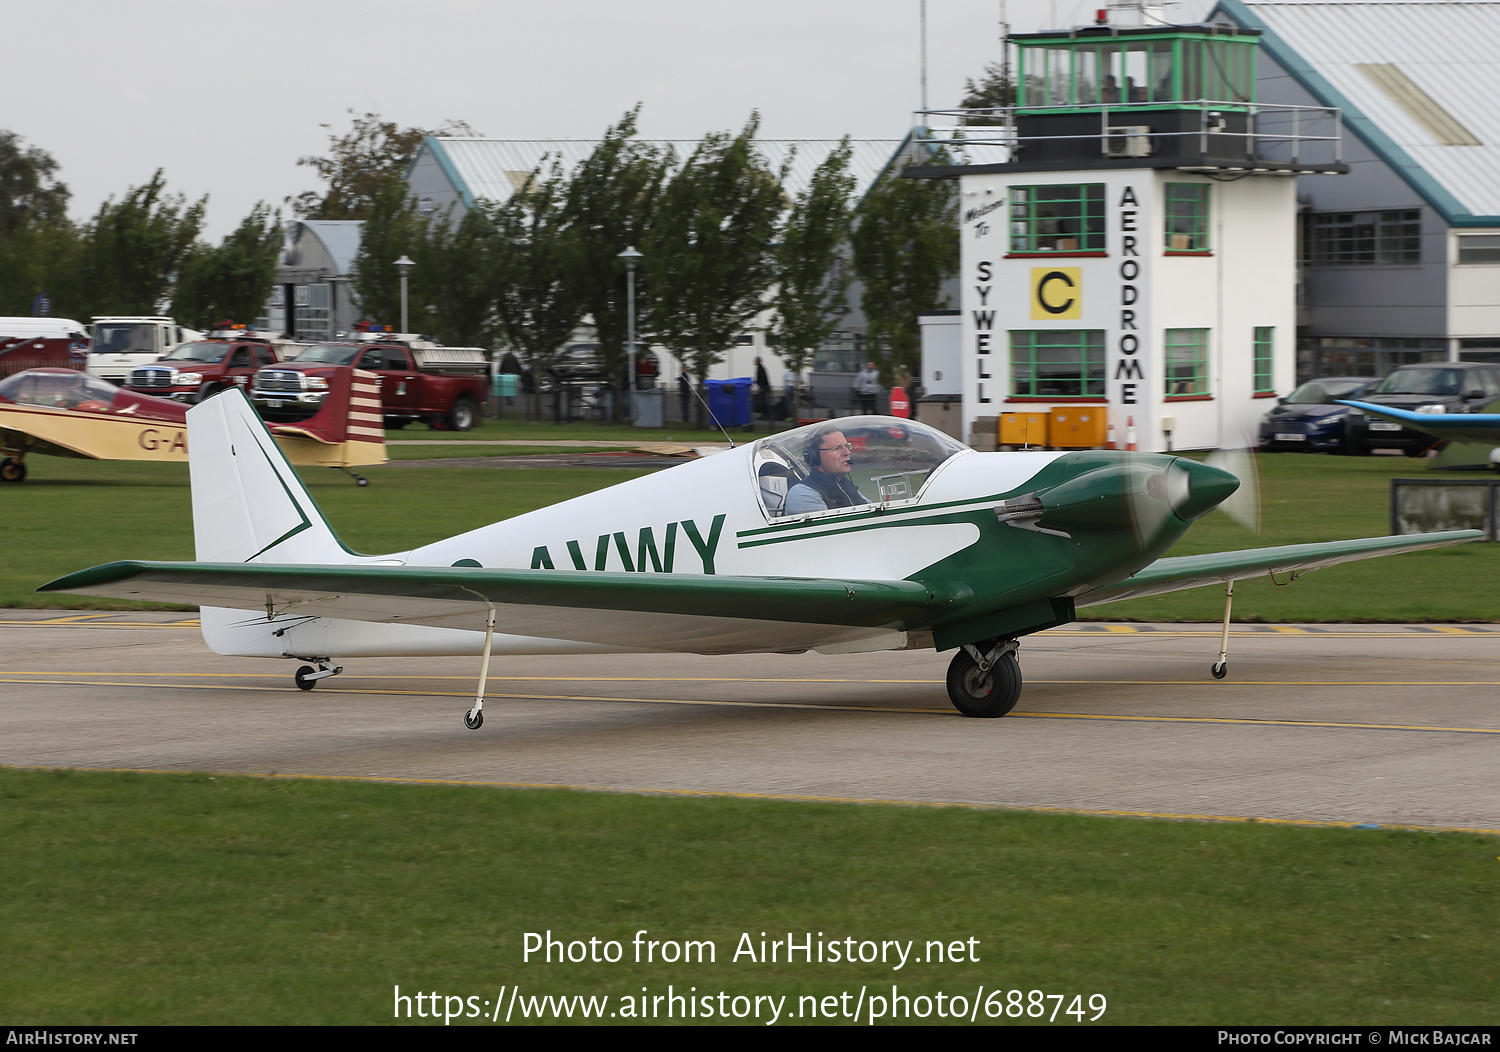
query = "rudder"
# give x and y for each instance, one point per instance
(248, 503)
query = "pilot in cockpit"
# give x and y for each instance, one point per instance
(830, 457)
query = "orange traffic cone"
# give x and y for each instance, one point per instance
(1110, 443)
(1130, 433)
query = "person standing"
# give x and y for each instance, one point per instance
(789, 392)
(866, 387)
(684, 390)
(762, 390)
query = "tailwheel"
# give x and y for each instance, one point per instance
(1220, 669)
(12, 470)
(474, 719)
(985, 682)
(306, 677)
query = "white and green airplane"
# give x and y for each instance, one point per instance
(861, 534)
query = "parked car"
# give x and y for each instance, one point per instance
(1310, 420)
(1429, 387)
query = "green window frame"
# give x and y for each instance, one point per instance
(1187, 362)
(1170, 70)
(1057, 363)
(1265, 358)
(1186, 217)
(1065, 218)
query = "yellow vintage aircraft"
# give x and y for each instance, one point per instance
(860, 534)
(67, 413)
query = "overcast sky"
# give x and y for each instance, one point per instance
(225, 96)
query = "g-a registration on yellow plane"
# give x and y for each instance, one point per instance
(860, 534)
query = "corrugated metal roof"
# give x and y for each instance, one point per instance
(494, 168)
(1449, 51)
(340, 237)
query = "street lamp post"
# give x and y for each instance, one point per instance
(404, 265)
(631, 258)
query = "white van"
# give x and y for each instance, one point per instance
(43, 328)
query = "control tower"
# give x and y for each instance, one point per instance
(1128, 237)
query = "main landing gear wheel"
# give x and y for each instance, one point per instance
(984, 694)
(474, 719)
(303, 683)
(1220, 669)
(12, 470)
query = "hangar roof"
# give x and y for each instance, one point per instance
(1414, 78)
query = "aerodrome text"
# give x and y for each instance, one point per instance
(803, 948)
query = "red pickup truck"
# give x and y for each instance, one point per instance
(441, 386)
(193, 371)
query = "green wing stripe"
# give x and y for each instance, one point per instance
(1195, 571)
(247, 586)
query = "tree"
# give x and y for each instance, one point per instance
(709, 256)
(905, 247)
(612, 202)
(38, 245)
(131, 250)
(457, 264)
(392, 230)
(230, 282)
(371, 156)
(811, 278)
(538, 295)
(29, 191)
(994, 90)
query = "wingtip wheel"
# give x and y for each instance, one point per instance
(474, 718)
(985, 684)
(1221, 667)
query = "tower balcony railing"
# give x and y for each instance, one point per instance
(1219, 134)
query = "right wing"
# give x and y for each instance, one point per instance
(1195, 571)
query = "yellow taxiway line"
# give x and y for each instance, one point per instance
(789, 798)
(805, 706)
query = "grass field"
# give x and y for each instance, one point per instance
(190, 899)
(72, 514)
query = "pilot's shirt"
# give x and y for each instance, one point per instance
(822, 492)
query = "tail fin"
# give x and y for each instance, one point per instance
(248, 503)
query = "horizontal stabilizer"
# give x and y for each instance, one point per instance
(1195, 571)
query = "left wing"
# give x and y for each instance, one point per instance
(695, 612)
(1195, 571)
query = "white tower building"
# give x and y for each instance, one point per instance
(1130, 257)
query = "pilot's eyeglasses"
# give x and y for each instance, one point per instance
(842, 445)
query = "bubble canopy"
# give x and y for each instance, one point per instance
(839, 466)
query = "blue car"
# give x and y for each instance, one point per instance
(1309, 420)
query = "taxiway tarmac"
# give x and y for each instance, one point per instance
(1386, 724)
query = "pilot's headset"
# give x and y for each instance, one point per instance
(812, 453)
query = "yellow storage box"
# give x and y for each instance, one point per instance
(1023, 429)
(1079, 426)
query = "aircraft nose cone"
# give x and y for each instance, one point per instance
(1207, 488)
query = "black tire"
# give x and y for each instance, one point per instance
(12, 470)
(394, 424)
(208, 392)
(474, 719)
(1355, 448)
(303, 683)
(987, 695)
(464, 416)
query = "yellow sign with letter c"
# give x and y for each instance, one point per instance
(1056, 293)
